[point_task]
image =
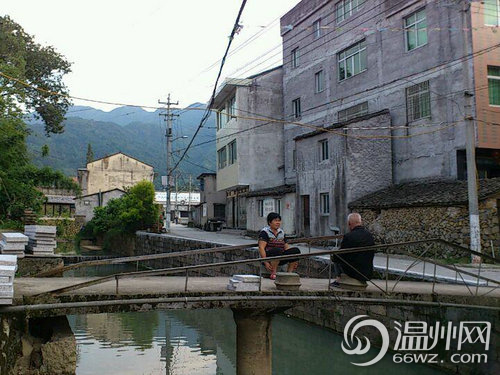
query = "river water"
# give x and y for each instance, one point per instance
(194, 342)
(191, 342)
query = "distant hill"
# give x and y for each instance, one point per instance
(126, 115)
(136, 132)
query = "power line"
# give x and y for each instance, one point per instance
(317, 127)
(313, 44)
(342, 27)
(207, 112)
(429, 71)
(243, 44)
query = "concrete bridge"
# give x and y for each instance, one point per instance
(253, 311)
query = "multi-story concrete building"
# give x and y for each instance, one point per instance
(250, 163)
(419, 59)
(116, 171)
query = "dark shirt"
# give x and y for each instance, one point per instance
(361, 262)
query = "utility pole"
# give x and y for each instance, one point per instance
(189, 197)
(470, 147)
(168, 134)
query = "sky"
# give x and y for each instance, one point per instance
(138, 51)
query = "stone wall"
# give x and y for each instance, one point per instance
(449, 223)
(150, 243)
(30, 266)
(48, 347)
(10, 340)
(67, 228)
(336, 315)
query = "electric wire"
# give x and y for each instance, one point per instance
(212, 99)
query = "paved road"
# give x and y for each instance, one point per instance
(397, 265)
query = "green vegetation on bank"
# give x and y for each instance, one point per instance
(124, 216)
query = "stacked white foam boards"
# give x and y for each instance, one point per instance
(244, 283)
(13, 243)
(8, 266)
(42, 239)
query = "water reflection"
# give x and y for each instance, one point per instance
(204, 342)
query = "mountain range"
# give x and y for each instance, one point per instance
(131, 130)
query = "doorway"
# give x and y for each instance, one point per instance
(306, 215)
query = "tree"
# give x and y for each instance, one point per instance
(90, 154)
(30, 81)
(45, 150)
(42, 68)
(134, 211)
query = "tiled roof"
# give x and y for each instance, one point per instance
(426, 193)
(278, 190)
(338, 125)
(60, 199)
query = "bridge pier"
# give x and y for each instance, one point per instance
(253, 341)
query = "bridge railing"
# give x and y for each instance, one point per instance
(143, 258)
(429, 245)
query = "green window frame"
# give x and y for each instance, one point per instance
(416, 30)
(494, 85)
(352, 60)
(492, 12)
(346, 8)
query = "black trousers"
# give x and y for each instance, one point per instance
(276, 251)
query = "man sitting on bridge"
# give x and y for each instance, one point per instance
(272, 242)
(358, 265)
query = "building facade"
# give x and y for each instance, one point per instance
(116, 171)
(212, 205)
(181, 204)
(250, 154)
(85, 204)
(430, 66)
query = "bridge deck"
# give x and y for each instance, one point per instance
(175, 285)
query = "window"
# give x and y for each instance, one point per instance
(324, 201)
(260, 208)
(494, 84)
(202, 184)
(295, 57)
(296, 108)
(317, 29)
(277, 206)
(231, 149)
(492, 12)
(221, 119)
(416, 30)
(221, 158)
(294, 160)
(353, 112)
(346, 8)
(231, 108)
(323, 150)
(418, 101)
(352, 60)
(319, 81)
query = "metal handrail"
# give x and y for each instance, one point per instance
(186, 269)
(141, 258)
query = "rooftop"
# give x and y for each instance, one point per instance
(425, 194)
(338, 125)
(277, 190)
